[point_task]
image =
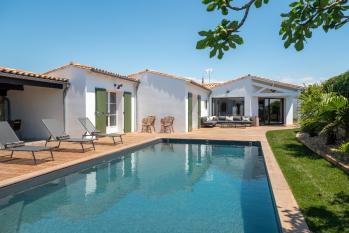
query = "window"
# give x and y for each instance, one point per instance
(112, 109)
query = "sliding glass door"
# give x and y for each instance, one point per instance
(271, 111)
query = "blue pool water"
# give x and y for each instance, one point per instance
(166, 187)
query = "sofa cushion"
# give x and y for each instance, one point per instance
(221, 118)
(245, 118)
(229, 118)
(237, 118)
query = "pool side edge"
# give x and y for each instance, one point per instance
(290, 216)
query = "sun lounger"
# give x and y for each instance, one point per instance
(9, 141)
(92, 131)
(57, 133)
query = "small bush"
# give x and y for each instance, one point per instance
(311, 126)
(344, 147)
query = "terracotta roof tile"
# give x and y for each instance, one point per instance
(211, 85)
(30, 74)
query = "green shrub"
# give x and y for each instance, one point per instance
(344, 147)
(311, 126)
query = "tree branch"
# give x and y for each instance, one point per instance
(247, 8)
(247, 5)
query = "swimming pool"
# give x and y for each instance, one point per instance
(172, 186)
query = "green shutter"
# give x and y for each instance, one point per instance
(190, 112)
(101, 109)
(127, 112)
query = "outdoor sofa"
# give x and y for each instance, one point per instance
(208, 122)
(9, 141)
(226, 121)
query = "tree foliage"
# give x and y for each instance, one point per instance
(297, 25)
(339, 84)
(325, 110)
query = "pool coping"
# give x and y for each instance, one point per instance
(289, 214)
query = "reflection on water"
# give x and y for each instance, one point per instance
(161, 188)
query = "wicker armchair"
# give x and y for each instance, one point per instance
(167, 124)
(148, 124)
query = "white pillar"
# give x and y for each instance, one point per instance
(288, 110)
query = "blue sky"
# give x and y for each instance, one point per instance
(128, 36)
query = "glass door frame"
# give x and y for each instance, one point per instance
(264, 112)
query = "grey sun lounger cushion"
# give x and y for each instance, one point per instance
(92, 131)
(57, 133)
(9, 141)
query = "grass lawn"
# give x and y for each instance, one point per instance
(321, 190)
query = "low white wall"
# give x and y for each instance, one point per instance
(34, 104)
(161, 96)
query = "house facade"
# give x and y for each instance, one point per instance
(107, 99)
(273, 102)
(160, 94)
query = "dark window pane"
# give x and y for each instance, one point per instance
(113, 120)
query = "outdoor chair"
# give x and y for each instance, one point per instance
(9, 141)
(92, 131)
(57, 133)
(148, 124)
(167, 124)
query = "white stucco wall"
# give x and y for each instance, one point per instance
(75, 106)
(161, 96)
(34, 104)
(242, 88)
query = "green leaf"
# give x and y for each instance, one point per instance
(201, 44)
(213, 52)
(258, 3)
(308, 34)
(211, 7)
(220, 54)
(237, 39)
(203, 33)
(299, 45)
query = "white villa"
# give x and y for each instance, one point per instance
(117, 103)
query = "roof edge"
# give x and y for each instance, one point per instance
(186, 79)
(93, 69)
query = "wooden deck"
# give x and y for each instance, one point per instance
(23, 167)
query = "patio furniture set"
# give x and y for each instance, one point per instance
(148, 124)
(226, 121)
(10, 142)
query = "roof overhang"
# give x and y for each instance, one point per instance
(9, 81)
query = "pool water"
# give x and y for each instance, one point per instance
(166, 187)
